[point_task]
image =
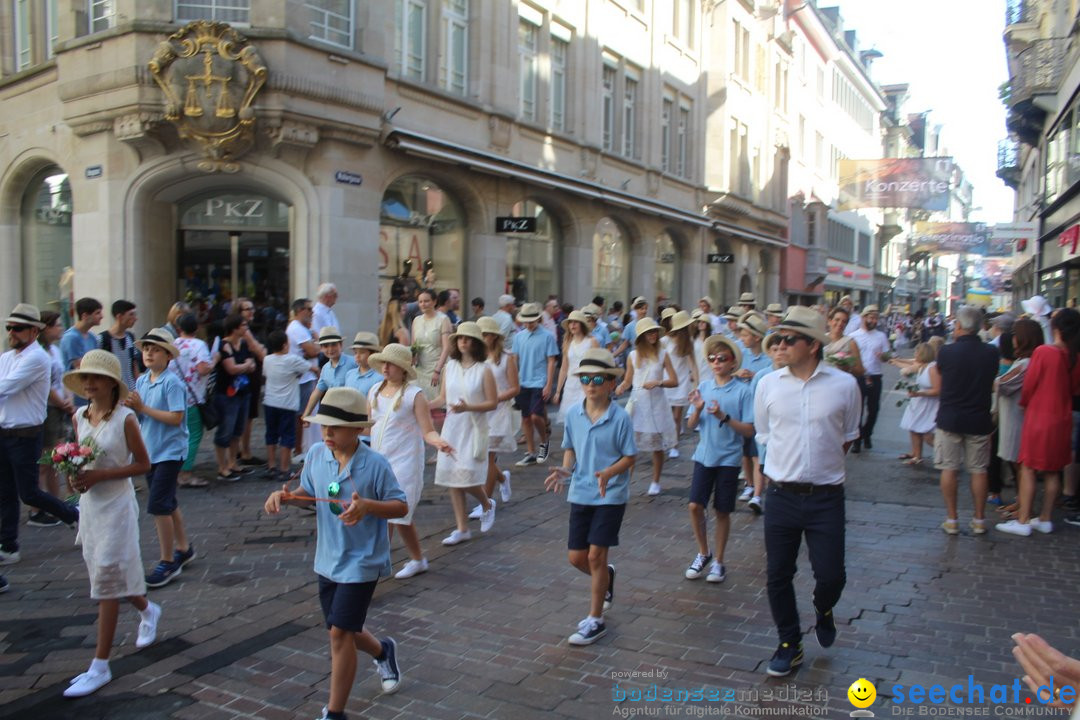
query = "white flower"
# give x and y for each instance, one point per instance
(78, 460)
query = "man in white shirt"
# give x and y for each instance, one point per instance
(505, 316)
(806, 415)
(24, 395)
(854, 319)
(874, 349)
(322, 314)
(302, 344)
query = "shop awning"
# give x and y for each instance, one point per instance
(481, 161)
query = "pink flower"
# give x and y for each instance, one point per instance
(71, 448)
(86, 451)
(57, 458)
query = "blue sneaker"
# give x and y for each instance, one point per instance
(181, 558)
(786, 658)
(389, 673)
(163, 574)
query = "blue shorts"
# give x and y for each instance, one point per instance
(345, 605)
(594, 525)
(161, 481)
(749, 447)
(530, 401)
(722, 483)
(233, 417)
(280, 427)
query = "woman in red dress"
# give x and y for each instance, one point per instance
(1052, 378)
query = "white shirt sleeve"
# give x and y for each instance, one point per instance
(761, 412)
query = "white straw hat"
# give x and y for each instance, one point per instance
(395, 354)
(162, 338)
(342, 407)
(26, 314)
(96, 362)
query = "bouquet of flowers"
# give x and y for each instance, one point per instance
(70, 457)
(905, 386)
(841, 359)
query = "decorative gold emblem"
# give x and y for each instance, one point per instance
(210, 75)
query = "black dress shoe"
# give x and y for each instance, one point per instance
(856, 447)
(869, 445)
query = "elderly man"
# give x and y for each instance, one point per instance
(874, 349)
(322, 314)
(302, 344)
(854, 319)
(505, 316)
(964, 380)
(24, 394)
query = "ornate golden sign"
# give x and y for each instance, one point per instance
(210, 75)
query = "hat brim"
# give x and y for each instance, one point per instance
(167, 347)
(359, 346)
(410, 371)
(330, 340)
(643, 333)
(752, 329)
(456, 335)
(24, 321)
(821, 337)
(73, 382)
(679, 326)
(522, 317)
(612, 373)
(320, 419)
(714, 340)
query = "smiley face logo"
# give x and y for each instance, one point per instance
(862, 693)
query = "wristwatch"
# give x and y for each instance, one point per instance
(727, 416)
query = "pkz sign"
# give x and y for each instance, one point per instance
(720, 258)
(226, 210)
(515, 224)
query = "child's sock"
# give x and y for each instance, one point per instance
(596, 619)
(99, 666)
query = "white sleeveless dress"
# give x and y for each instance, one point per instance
(703, 369)
(503, 422)
(427, 338)
(679, 396)
(109, 515)
(396, 436)
(920, 415)
(573, 394)
(654, 426)
(466, 432)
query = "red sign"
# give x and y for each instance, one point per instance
(1070, 237)
(849, 273)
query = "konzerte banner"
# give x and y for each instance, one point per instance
(895, 183)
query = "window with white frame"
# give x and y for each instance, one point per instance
(780, 89)
(560, 51)
(528, 52)
(52, 32)
(682, 22)
(410, 38)
(454, 53)
(667, 109)
(741, 50)
(235, 12)
(629, 115)
(23, 52)
(102, 14)
(331, 21)
(682, 142)
(608, 117)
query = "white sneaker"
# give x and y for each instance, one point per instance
(747, 493)
(673, 453)
(504, 489)
(413, 567)
(1044, 526)
(717, 573)
(87, 683)
(9, 558)
(1014, 527)
(478, 511)
(148, 627)
(457, 537)
(755, 505)
(654, 488)
(488, 518)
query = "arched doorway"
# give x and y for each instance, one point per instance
(531, 258)
(611, 265)
(234, 243)
(667, 268)
(420, 221)
(745, 283)
(45, 229)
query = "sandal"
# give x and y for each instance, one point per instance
(196, 482)
(912, 461)
(905, 456)
(1010, 508)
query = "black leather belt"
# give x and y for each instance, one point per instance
(807, 488)
(22, 432)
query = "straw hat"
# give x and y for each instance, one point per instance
(362, 341)
(161, 338)
(489, 325)
(871, 309)
(752, 321)
(713, 340)
(468, 329)
(25, 314)
(395, 354)
(598, 361)
(747, 299)
(698, 315)
(680, 320)
(805, 321)
(576, 316)
(342, 407)
(530, 312)
(639, 300)
(329, 335)
(775, 309)
(96, 362)
(591, 311)
(734, 313)
(706, 299)
(643, 326)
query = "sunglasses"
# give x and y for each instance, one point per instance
(718, 358)
(334, 490)
(17, 328)
(790, 340)
(592, 379)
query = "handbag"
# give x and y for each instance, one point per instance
(208, 411)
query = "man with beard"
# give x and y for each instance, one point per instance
(874, 349)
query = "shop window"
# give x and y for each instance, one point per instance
(667, 268)
(46, 239)
(611, 262)
(420, 222)
(532, 259)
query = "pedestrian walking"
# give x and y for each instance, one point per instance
(752, 330)
(352, 549)
(109, 517)
(772, 349)
(842, 352)
(598, 454)
(57, 428)
(363, 376)
(680, 348)
(282, 372)
(806, 416)
(119, 340)
(1026, 336)
(536, 351)
(77, 339)
(920, 415)
(303, 344)
(336, 368)
(874, 349)
(503, 421)
(193, 366)
(568, 391)
(231, 392)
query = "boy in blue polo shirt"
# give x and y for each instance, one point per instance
(334, 372)
(160, 399)
(352, 550)
(536, 351)
(362, 376)
(598, 440)
(725, 408)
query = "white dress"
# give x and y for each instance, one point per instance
(109, 515)
(703, 369)
(466, 432)
(503, 422)
(679, 396)
(573, 394)
(396, 436)
(427, 338)
(920, 415)
(654, 426)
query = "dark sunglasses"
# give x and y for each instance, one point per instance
(718, 358)
(790, 340)
(333, 490)
(18, 328)
(592, 379)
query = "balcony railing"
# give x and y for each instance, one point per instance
(1040, 70)
(1020, 11)
(1008, 162)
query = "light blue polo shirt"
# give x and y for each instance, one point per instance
(73, 345)
(602, 335)
(331, 377)
(362, 382)
(361, 552)
(719, 445)
(755, 363)
(163, 442)
(597, 446)
(533, 349)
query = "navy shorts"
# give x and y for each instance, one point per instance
(722, 483)
(749, 447)
(530, 401)
(280, 427)
(232, 419)
(161, 481)
(345, 605)
(594, 525)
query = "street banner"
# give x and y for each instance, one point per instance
(895, 183)
(1016, 231)
(958, 238)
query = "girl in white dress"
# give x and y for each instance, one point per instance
(648, 372)
(577, 341)
(503, 422)
(680, 349)
(920, 415)
(108, 511)
(468, 393)
(402, 426)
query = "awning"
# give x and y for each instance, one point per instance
(426, 146)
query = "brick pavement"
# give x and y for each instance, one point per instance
(483, 633)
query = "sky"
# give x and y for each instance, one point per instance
(951, 55)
